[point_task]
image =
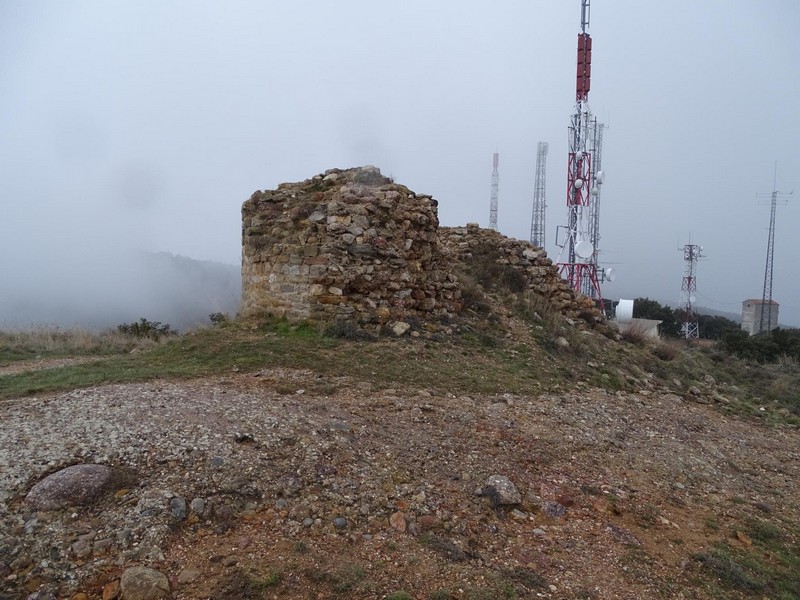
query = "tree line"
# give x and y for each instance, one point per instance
(764, 347)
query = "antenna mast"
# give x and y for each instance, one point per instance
(766, 297)
(689, 320)
(580, 268)
(594, 208)
(539, 205)
(493, 199)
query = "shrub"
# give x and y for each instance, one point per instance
(153, 330)
(219, 318)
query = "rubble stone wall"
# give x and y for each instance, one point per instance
(535, 271)
(353, 245)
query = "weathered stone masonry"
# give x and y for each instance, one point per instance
(352, 244)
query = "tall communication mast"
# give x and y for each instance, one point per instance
(539, 204)
(493, 197)
(766, 297)
(579, 270)
(594, 208)
(688, 315)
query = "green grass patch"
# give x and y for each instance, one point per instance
(769, 568)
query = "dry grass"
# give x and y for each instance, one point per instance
(22, 344)
(636, 335)
(667, 349)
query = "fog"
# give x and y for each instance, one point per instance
(133, 128)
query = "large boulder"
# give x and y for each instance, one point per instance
(142, 583)
(77, 485)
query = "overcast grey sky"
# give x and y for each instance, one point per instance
(141, 124)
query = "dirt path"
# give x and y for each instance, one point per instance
(24, 366)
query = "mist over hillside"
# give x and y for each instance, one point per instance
(101, 293)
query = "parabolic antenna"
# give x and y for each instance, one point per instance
(600, 177)
(624, 311)
(584, 249)
(578, 184)
(692, 299)
(611, 274)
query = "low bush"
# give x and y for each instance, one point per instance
(153, 330)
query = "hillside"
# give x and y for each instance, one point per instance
(504, 454)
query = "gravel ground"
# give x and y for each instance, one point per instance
(286, 484)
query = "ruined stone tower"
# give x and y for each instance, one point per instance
(348, 244)
(352, 245)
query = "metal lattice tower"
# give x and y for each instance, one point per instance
(539, 204)
(766, 297)
(494, 193)
(594, 206)
(688, 315)
(578, 270)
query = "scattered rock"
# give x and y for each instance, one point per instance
(188, 575)
(501, 491)
(143, 583)
(553, 509)
(743, 538)
(111, 590)
(399, 328)
(177, 506)
(339, 522)
(77, 485)
(621, 534)
(198, 506)
(397, 521)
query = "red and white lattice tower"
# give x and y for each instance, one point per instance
(688, 315)
(580, 268)
(494, 192)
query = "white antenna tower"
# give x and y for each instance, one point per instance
(539, 204)
(493, 198)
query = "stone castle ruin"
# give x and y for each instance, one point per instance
(353, 245)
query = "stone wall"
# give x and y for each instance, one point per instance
(534, 271)
(353, 245)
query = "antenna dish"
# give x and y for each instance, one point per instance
(624, 311)
(578, 184)
(578, 155)
(584, 249)
(692, 299)
(611, 274)
(600, 177)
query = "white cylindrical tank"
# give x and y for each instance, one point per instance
(624, 312)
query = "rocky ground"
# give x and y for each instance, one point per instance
(286, 484)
